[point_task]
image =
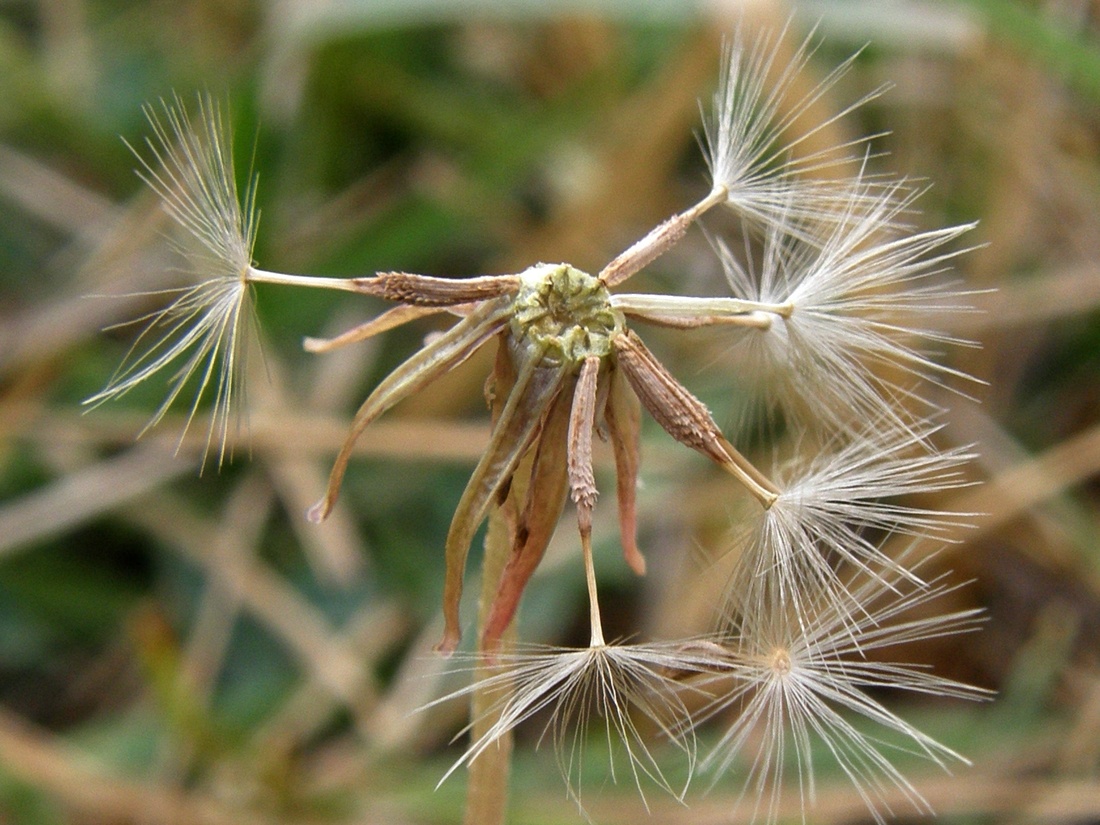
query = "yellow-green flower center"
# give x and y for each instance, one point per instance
(564, 313)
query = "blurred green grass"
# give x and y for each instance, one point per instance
(177, 645)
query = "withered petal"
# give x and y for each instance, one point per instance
(623, 415)
(443, 353)
(388, 320)
(546, 495)
(536, 386)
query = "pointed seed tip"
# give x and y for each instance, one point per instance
(319, 511)
(447, 645)
(635, 560)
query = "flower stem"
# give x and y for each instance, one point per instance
(487, 789)
(683, 312)
(262, 276)
(597, 639)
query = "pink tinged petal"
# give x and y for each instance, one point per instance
(499, 382)
(545, 500)
(536, 386)
(440, 355)
(623, 415)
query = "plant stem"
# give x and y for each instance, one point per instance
(597, 639)
(487, 788)
(263, 276)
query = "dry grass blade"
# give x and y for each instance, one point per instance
(1017, 489)
(35, 757)
(52, 196)
(294, 621)
(85, 494)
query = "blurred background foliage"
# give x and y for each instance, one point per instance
(184, 648)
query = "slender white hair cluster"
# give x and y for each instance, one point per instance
(835, 308)
(636, 691)
(836, 505)
(797, 672)
(201, 336)
(866, 296)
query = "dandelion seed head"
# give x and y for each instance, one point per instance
(837, 314)
(864, 303)
(772, 178)
(201, 339)
(800, 672)
(565, 313)
(635, 692)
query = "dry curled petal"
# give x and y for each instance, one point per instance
(443, 353)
